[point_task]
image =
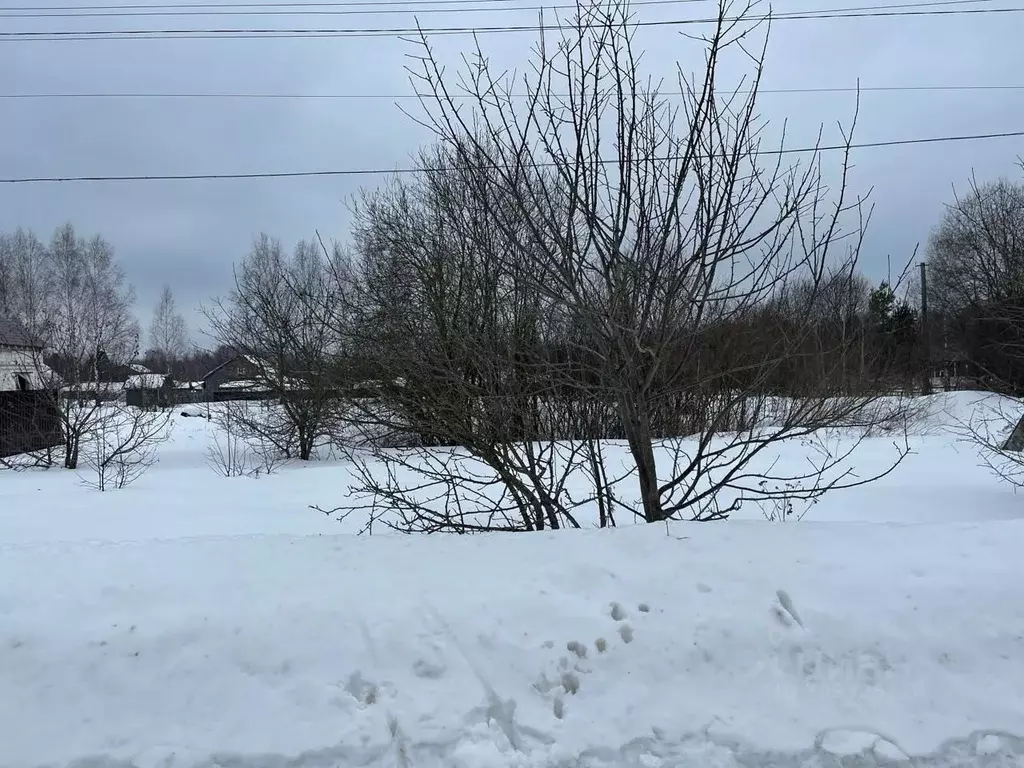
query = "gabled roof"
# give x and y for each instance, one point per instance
(226, 363)
(14, 334)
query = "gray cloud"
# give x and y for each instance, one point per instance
(188, 234)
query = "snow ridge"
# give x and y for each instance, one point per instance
(840, 748)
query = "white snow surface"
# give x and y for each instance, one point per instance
(195, 621)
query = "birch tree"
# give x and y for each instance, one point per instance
(168, 334)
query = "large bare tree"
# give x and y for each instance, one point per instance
(976, 253)
(976, 259)
(658, 232)
(90, 330)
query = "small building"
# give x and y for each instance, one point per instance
(243, 377)
(149, 390)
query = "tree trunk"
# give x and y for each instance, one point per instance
(71, 452)
(638, 435)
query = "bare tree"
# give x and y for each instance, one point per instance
(89, 329)
(660, 234)
(23, 279)
(976, 254)
(168, 334)
(976, 268)
(296, 356)
(977, 263)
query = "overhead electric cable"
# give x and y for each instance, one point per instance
(385, 171)
(142, 95)
(435, 7)
(293, 33)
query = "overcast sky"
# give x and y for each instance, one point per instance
(189, 233)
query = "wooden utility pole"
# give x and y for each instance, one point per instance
(926, 354)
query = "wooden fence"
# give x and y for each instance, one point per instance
(29, 421)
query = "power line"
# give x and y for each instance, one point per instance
(186, 6)
(239, 6)
(476, 8)
(344, 9)
(410, 96)
(385, 171)
(274, 33)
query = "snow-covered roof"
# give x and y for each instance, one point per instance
(265, 370)
(145, 381)
(249, 385)
(101, 387)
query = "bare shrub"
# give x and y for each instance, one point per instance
(123, 444)
(228, 452)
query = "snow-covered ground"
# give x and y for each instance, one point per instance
(193, 620)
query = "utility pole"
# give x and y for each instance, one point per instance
(926, 355)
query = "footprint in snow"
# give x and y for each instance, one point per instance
(362, 690)
(428, 669)
(577, 648)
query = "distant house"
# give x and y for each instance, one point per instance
(243, 377)
(29, 416)
(145, 390)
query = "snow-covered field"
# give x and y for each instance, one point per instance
(192, 620)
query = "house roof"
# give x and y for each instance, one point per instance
(146, 381)
(14, 334)
(227, 362)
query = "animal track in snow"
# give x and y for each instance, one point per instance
(544, 685)
(578, 648)
(559, 707)
(570, 670)
(571, 682)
